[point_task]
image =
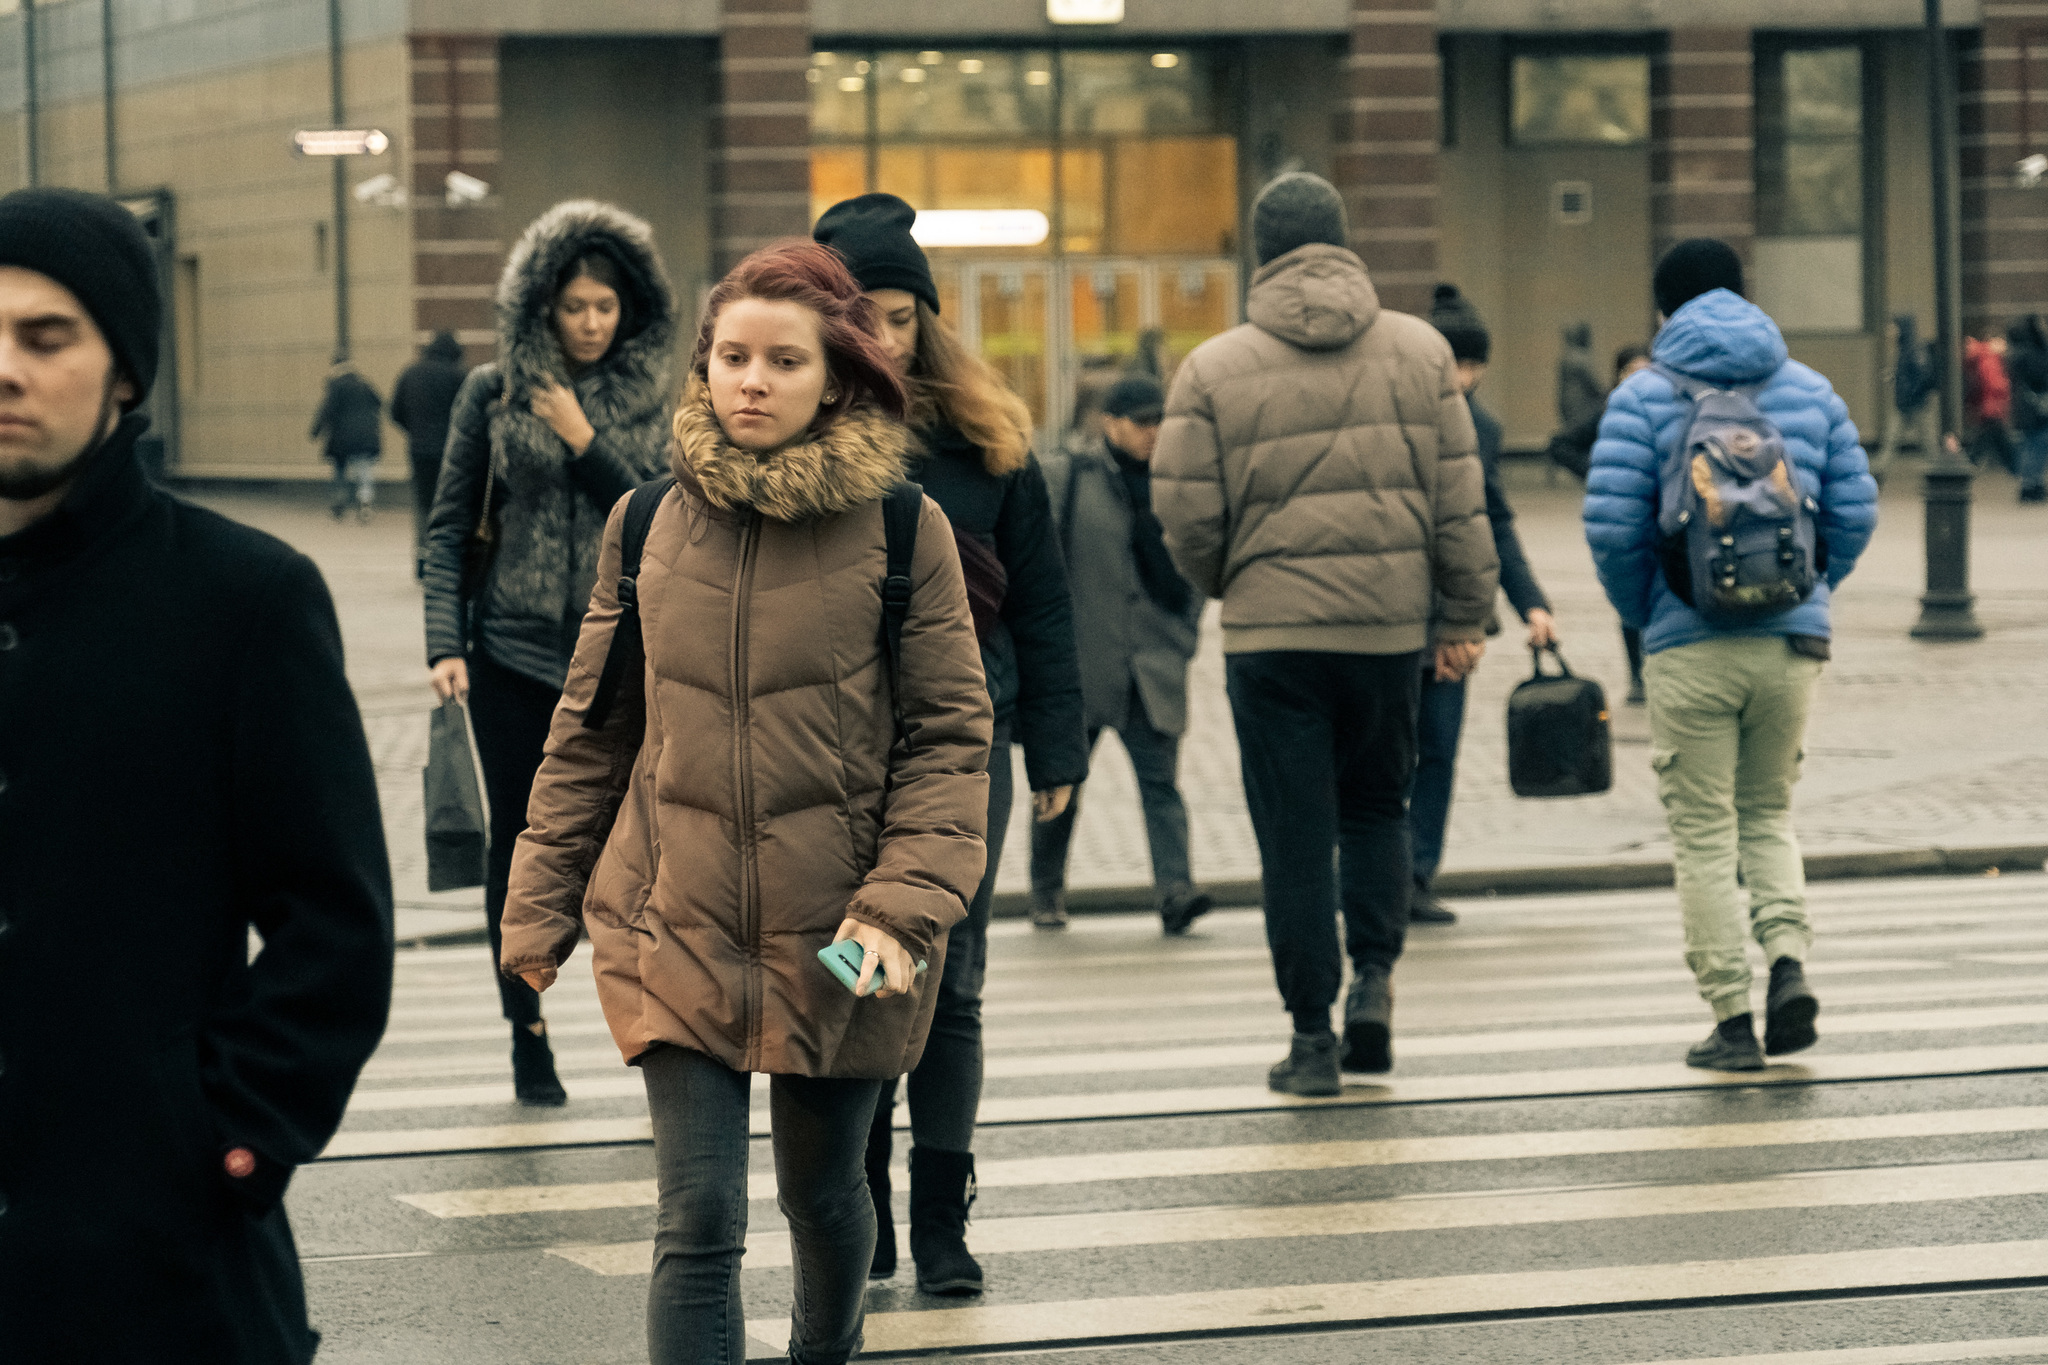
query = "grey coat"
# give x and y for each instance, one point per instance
(552, 508)
(1124, 637)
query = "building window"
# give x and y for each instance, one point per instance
(1566, 98)
(1810, 199)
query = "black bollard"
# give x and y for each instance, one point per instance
(1946, 608)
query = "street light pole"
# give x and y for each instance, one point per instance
(30, 97)
(1946, 608)
(341, 346)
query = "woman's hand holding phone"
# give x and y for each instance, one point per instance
(882, 952)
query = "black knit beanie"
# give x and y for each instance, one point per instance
(872, 234)
(1453, 314)
(1294, 210)
(1694, 267)
(92, 246)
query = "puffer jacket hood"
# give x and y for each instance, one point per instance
(856, 459)
(1317, 297)
(528, 348)
(444, 347)
(750, 791)
(1722, 339)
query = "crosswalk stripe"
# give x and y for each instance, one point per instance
(1930, 1353)
(486, 1137)
(770, 1250)
(1390, 1300)
(1303, 1156)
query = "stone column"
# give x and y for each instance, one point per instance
(1387, 145)
(2003, 112)
(1703, 139)
(762, 144)
(457, 252)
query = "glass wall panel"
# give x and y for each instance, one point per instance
(1810, 258)
(1173, 195)
(1123, 93)
(981, 94)
(1012, 305)
(839, 96)
(1580, 97)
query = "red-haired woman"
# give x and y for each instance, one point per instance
(765, 805)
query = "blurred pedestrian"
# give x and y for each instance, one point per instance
(1318, 471)
(1137, 621)
(1987, 402)
(1440, 718)
(857, 812)
(1912, 414)
(2026, 362)
(421, 403)
(351, 421)
(1728, 703)
(181, 764)
(571, 416)
(973, 455)
(1580, 396)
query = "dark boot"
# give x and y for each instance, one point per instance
(1730, 1047)
(884, 1264)
(1310, 1068)
(1180, 906)
(533, 1069)
(941, 1193)
(1790, 1011)
(1048, 909)
(1369, 1024)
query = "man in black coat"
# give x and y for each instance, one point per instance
(420, 405)
(180, 762)
(351, 421)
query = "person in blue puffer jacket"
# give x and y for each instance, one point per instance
(1728, 707)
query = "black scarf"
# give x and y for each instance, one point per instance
(1163, 583)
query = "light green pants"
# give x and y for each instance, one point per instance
(1727, 717)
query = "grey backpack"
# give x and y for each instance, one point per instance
(1737, 539)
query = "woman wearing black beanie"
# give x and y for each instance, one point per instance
(975, 461)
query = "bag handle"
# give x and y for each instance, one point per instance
(1536, 653)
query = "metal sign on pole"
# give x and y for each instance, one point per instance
(1947, 607)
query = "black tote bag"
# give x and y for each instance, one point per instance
(458, 828)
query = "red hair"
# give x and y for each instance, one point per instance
(803, 272)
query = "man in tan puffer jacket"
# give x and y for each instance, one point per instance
(1318, 471)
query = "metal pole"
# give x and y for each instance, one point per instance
(107, 91)
(1946, 608)
(340, 116)
(28, 65)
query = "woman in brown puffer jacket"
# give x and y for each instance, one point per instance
(764, 804)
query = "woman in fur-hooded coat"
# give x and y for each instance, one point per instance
(571, 416)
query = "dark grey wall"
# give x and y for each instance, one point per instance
(623, 120)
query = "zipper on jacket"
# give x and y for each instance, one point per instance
(743, 783)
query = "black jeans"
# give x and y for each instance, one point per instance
(699, 1110)
(1327, 743)
(1155, 757)
(510, 714)
(945, 1089)
(1440, 720)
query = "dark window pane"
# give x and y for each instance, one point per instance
(1824, 93)
(1823, 189)
(1580, 98)
(1122, 93)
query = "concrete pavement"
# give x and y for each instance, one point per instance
(1913, 746)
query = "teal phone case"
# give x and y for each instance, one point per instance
(844, 959)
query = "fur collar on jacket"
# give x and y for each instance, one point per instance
(855, 460)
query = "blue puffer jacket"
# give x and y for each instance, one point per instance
(1723, 339)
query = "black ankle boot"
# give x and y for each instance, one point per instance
(533, 1069)
(941, 1192)
(884, 1264)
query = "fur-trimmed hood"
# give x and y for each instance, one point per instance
(855, 460)
(528, 349)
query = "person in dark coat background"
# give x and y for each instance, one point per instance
(2026, 365)
(351, 419)
(420, 405)
(194, 768)
(976, 464)
(1441, 719)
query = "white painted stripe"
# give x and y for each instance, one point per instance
(1930, 1353)
(487, 1137)
(770, 1250)
(2008, 959)
(1302, 1156)
(1380, 1300)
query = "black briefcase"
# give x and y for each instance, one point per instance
(1558, 741)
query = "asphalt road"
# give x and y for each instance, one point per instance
(1540, 1179)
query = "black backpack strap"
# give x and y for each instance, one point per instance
(627, 647)
(901, 508)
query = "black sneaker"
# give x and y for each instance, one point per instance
(1730, 1047)
(1425, 908)
(533, 1070)
(1181, 907)
(1636, 695)
(1048, 909)
(1790, 1010)
(1310, 1068)
(1369, 1025)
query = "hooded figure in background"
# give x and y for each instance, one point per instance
(350, 428)
(1580, 399)
(420, 406)
(545, 440)
(1916, 374)
(2026, 366)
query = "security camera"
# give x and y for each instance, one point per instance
(384, 191)
(2029, 170)
(465, 189)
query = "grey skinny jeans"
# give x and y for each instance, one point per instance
(699, 1108)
